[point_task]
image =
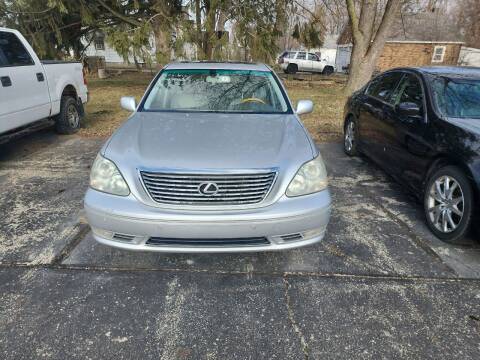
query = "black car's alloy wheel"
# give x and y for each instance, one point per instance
(350, 138)
(448, 204)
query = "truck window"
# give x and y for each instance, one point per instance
(12, 51)
(313, 57)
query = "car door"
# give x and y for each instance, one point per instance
(313, 62)
(318, 64)
(408, 136)
(375, 103)
(301, 61)
(24, 95)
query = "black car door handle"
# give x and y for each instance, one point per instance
(40, 77)
(6, 81)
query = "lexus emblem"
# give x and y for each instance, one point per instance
(208, 188)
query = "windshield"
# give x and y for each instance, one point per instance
(216, 91)
(459, 98)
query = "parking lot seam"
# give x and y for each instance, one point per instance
(293, 322)
(298, 274)
(83, 229)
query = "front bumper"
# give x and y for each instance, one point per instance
(306, 215)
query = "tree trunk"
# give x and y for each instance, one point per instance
(360, 71)
(199, 35)
(368, 44)
(209, 35)
(162, 42)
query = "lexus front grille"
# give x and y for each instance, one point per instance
(208, 189)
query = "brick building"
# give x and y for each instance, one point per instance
(408, 53)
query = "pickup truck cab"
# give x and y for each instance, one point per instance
(295, 61)
(33, 90)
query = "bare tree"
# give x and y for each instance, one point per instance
(468, 13)
(368, 40)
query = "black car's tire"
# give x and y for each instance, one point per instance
(476, 228)
(327, 70)
(350, 137)
(448, 217)
(292, 68)
(69, 119)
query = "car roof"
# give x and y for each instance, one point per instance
(447, 71)
(8, 30)
(212, 65)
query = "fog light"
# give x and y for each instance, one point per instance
(105, 234)
(309, 234)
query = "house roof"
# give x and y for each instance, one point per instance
(191, 65)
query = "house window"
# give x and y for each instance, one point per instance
(438, 54)
(99, 43)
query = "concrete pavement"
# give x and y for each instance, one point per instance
(379, 285)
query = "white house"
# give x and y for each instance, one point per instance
(469, 57)
(99, 47)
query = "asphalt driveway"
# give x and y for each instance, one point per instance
(379, 285)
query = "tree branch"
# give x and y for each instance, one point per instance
(388, 19)
(118, 15)
(357, 36)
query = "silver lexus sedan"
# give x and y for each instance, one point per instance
(213, 159)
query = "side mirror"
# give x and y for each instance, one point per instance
(128, 103)
(304, 107)
(409, 109)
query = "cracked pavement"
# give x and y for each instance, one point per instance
(378, 286)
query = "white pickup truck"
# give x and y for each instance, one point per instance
(295, 61)
(33, 90)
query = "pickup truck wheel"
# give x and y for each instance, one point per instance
(68, 120)
(292, 68)
(327, 70)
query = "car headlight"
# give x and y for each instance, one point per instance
(310, 178)
(106, 177)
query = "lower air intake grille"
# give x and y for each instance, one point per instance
(158, 241)
(292, 237)
(123, 237)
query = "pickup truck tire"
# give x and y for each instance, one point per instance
(68, 120)
(327, 70)
(292, 68)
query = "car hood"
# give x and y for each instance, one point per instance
(155, 140)
(471, 125)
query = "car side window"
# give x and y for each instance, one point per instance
(371, 87)
(312, 57)
(411, 91)
(301, 55)
(383, 87)
(12, 51)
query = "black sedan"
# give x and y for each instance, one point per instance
(422, 125)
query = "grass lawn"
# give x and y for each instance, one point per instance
(104, 114)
